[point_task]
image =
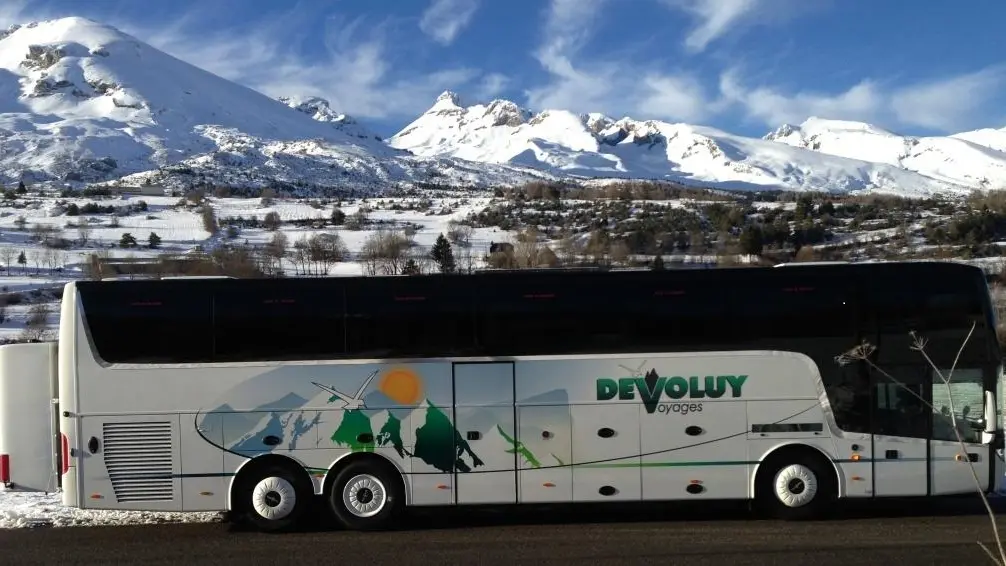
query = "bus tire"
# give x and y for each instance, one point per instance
(366, 496)
(273, 498)
(796, 486)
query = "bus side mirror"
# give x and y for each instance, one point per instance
(990, 417)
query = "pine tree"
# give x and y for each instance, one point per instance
(443, 254)
(153, 241)
(658, 263)
(338, 217)
(410, 268)
(127, 240)
(751, 240)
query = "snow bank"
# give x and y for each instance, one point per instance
(27, 509)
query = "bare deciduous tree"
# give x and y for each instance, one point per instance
(527, 248)
(8, 254)
(385, 252)
(84, 232)
(36, 323)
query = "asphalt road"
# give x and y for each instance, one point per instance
(944, 533)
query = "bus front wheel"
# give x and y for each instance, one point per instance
(366, 496)
(800, 486)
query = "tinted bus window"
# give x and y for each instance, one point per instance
(782, 305)
(939, 308)
(280, 320)
(421, 316)
(679, 312)
(552, 314)
(149, 322)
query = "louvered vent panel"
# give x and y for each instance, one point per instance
(138, 457)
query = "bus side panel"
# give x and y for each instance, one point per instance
(695, 441)
(546, 449)
(204, 487)
(606, 452)
(131, 462)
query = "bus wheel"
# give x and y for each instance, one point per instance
(366, 496)
(274, 498)
(795, 488)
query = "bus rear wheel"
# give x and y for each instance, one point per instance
(274, 498)
(366, 496)
(799, 487)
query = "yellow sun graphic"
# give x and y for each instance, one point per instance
(401, 385)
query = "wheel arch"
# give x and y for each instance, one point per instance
(792, 450)
(253, 464)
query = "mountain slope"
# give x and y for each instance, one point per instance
(972, 159)
(82, 101)
(988, 137)
(320, 110)
(595, 145)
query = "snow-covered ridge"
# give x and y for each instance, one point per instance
(83, 102)
(816, 155)
(973, 159)
(320, 110)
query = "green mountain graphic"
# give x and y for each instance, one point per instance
(391, 433)
(354, 425)
(440, 445)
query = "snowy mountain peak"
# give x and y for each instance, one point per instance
(82, 102)
(321, 110)
(448, 99)
(793, 157)
(506, 113)
(815, 126)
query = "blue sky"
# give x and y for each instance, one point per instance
(746, 66)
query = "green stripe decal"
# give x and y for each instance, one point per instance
(663, 464)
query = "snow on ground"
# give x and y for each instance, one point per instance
(28, 264)
(26, 509)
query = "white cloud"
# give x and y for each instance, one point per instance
(20, 12)
(675, 97)
(862, 101)
(355, 73)
(953, 103)
(715, 18)
(605, 85)
(443, 20)
(948, 105)
(492, 85)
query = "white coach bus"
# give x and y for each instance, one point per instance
(254, 396)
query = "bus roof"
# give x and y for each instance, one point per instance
(896, 269)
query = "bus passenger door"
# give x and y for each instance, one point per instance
(900, 433)
(949, 466)
(484, 421)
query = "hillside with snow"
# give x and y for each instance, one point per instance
(83, 102)
(823, 155)
(974, 159)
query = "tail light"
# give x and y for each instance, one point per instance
(64, 456)
(5, 469)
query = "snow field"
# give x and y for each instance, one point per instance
(28, 509)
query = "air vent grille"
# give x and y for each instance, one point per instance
(139, 458)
